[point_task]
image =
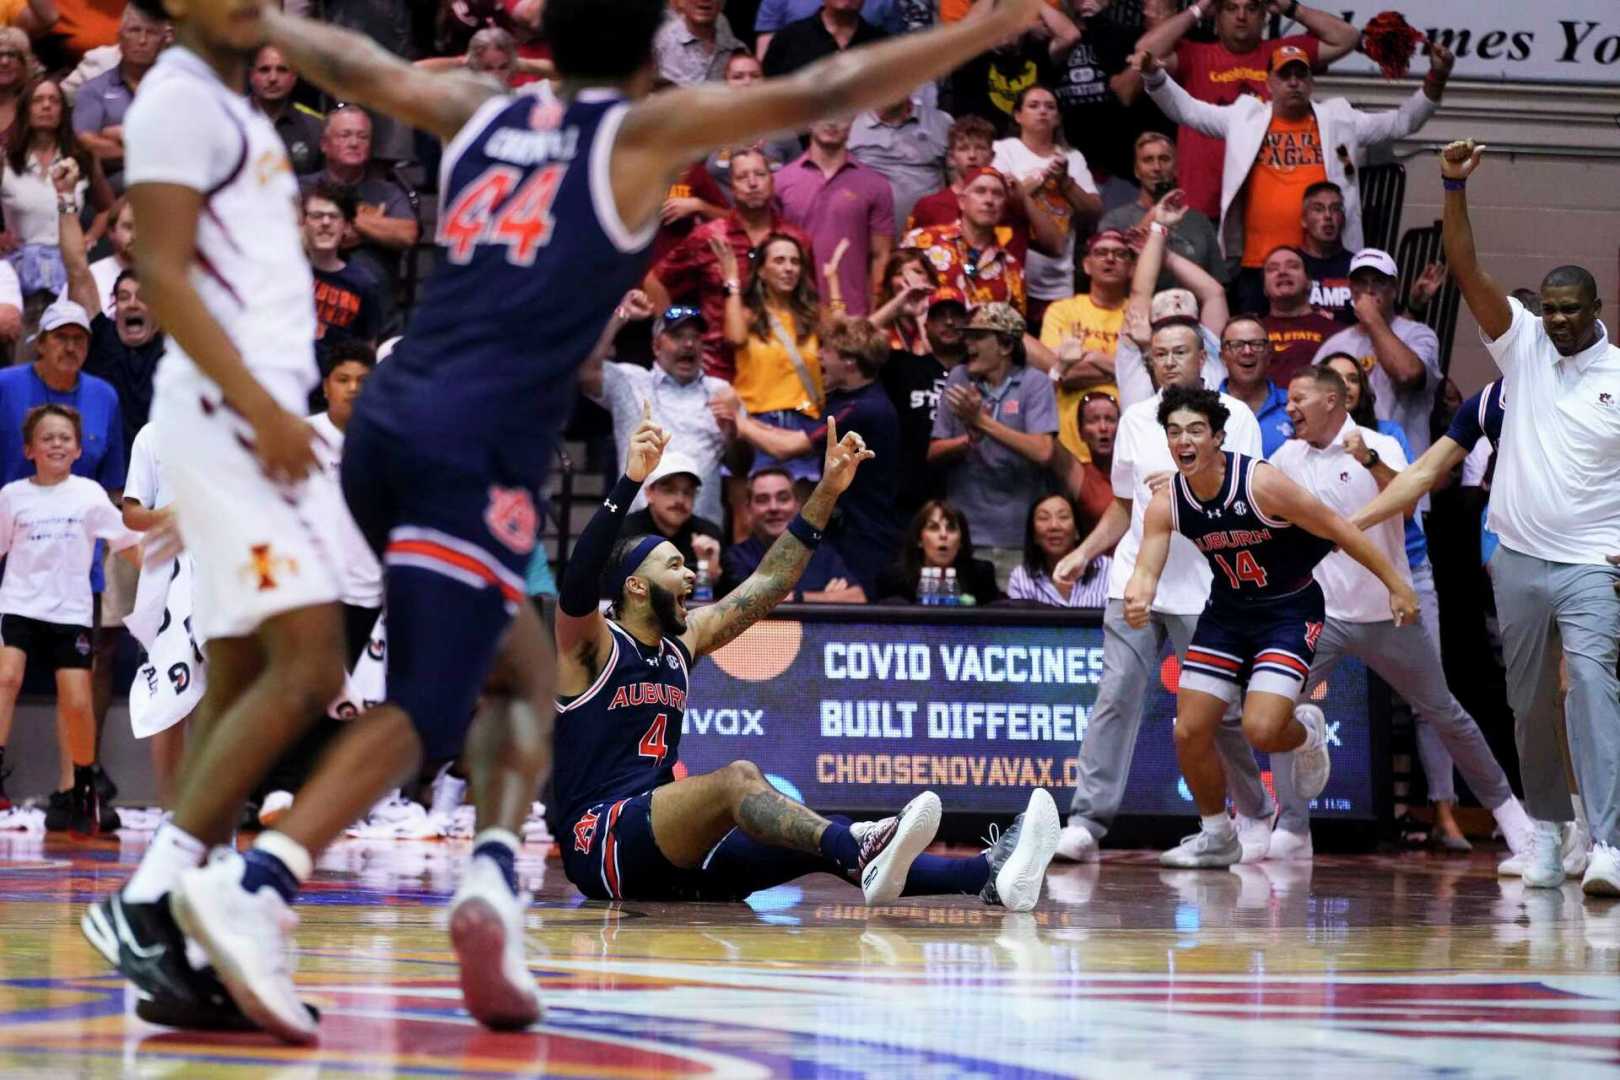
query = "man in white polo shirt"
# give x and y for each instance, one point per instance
(1337, 461)
(1131, 656)
(1555, 504)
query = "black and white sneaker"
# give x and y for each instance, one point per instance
(145, 944)
(1019, 857)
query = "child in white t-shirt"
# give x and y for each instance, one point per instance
(49, 525)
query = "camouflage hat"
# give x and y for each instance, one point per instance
(998, 318)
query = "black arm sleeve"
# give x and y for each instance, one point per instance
(580, 589)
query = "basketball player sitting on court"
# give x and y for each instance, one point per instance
(49, 525)
(630, 830)
(1263, 534)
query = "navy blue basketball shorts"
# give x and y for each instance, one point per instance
(609, 853)
(1267, 645)
(454, 547)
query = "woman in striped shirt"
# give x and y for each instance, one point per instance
(1050, 533)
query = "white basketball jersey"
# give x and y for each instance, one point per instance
(188, 128)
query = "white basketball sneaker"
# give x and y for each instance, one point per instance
(1076, 844)
(890, 846)
(1311, 763)
(1204, 850)
(1544, 864)
(1602, 872)
(486, 930)
(246, 938)
(1289, 846)
(1019, 857)
(1254, 837)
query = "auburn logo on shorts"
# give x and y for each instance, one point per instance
(512, 518)
(1313, 631)
(263, 566)
(585, 831)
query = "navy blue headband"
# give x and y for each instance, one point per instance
(627, 566)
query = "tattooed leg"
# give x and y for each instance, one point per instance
(690, 816)
(772, 818)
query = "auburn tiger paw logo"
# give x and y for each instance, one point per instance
(512, 518)
(585, 831)
(1313, 631)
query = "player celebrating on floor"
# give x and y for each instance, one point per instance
(631, 831)
(1263, 535)
(549, 199)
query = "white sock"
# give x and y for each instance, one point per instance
(293, 855)
(173, 852)
(1580, 811)
(1515, 823)
(1313, 737)
(1217, 824)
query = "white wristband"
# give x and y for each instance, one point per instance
(1197, 11)
(1158, 227)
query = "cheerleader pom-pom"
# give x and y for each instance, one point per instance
(1391, 42)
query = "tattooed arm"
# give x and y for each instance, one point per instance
(355, 69)
(712, 627)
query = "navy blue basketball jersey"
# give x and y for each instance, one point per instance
(621, 737)
(534, 259)
(1254, 557)
(1481, 416)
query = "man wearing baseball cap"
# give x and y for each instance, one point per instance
(1277, 149)
(969, 255)
(994, 435)
(1232, 66)
(57, 377)
(1400, 356)
(671, 490)
(1202, 306)
(674, 388)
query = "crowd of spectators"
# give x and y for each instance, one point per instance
(959, 274)
(970, 276)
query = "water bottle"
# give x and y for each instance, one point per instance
(703, 588)
(928, 587)
(953, 590)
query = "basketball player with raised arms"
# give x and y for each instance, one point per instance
(629, 829)
(1263, 535)
(550, 198)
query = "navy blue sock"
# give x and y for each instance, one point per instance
(263, 869)
(935, 875)
(504, 857)
(838, 844)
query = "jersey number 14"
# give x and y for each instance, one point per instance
(523, 222)
(1248, 569)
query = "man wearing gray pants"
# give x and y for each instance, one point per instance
(1131, 656)
(1555, 504)
(1344, 466)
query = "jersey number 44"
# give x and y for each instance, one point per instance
(495, 210)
